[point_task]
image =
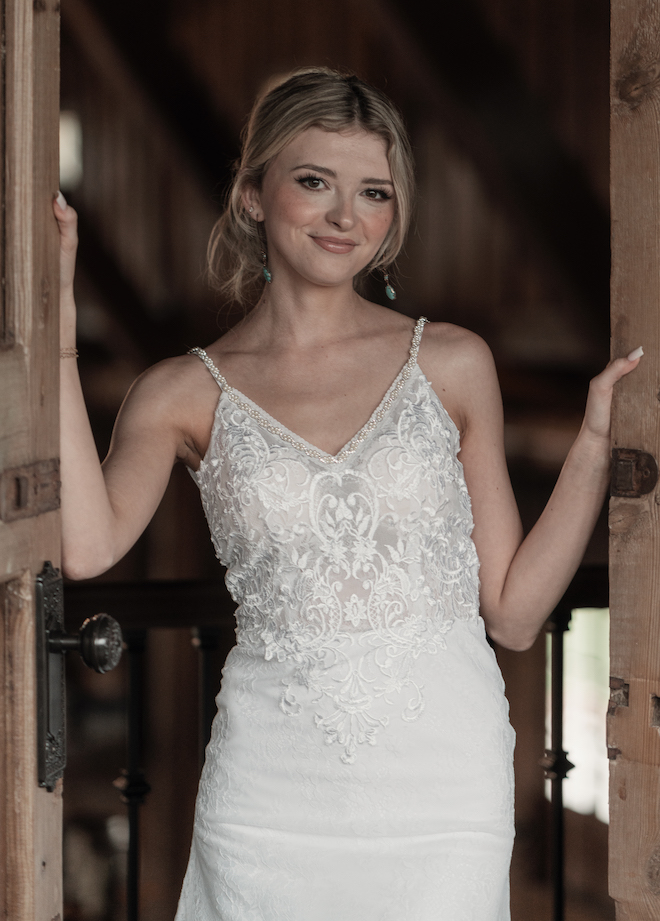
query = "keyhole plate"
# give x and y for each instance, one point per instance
(51, 693)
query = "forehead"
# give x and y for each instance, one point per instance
(352, 151)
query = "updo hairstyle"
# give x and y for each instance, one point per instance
(318, 98)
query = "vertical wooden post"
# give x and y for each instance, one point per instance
(30, 817)
(634, 719)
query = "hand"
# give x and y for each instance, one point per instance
(67, 222)
(599, 402)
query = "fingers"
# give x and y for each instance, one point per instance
(67, 222)
(617, 369)
(67, 219)
(599, 401)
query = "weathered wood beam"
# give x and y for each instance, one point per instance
(634, 720)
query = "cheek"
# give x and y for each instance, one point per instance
(293, 208)
(381, 222)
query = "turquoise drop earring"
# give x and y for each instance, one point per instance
(267, 275)
(389, 290)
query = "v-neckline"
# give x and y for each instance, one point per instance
(275, 427)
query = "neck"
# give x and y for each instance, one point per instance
(303, 316)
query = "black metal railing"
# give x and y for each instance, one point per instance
(175, 604)
(139, 607)
(589, 589)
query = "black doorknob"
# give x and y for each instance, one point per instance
(99, 642)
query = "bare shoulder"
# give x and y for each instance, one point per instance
(175, 399)
(461, 369)
(454, 346)
(170, 383)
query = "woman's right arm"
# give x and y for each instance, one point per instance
(106, 508)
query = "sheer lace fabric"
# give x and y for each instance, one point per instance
(360, 762)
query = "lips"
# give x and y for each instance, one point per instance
(335, 244)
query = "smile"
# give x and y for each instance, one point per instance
(335, 244)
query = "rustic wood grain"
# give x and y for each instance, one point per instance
(20, 755)
(633, 739)
(30, 818)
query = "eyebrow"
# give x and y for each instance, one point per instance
(333, 175)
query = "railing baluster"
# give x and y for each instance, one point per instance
(132, 782)
(555, 762)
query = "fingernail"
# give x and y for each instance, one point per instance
(61, 200)
(637, 353)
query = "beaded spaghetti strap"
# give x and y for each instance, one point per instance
(219, 379)
(271, 425)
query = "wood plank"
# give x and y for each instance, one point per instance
(29, 817)
(19, 766)
(20, 757)
(633, 730)
(43, 377)
(31, 829)
(19, 79)
(44, 350)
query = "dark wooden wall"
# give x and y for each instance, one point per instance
(562, 50)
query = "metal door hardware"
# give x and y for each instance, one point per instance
(29, 490)
(634, 473)
(100, 644)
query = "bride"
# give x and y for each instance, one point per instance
(360, 765)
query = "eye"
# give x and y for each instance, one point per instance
(377, 194)
(311, 182)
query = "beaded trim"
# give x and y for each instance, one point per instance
(260, 415)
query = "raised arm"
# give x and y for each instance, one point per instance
(105, 509)
(522, 580)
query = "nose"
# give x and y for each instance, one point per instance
(341, 213)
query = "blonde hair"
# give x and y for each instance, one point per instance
(317, 98)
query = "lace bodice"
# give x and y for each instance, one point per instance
(346, 568)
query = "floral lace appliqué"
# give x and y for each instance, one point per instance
(348, 572)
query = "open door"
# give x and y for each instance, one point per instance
(30, 816)
(634, 712)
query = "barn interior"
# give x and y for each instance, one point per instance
(507, 106)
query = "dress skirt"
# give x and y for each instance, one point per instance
(415, 824)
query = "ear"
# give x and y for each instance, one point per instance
(251, 199)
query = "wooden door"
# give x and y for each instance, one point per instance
(634, 721)
(30, 817)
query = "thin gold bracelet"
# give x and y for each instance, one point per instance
(69, 352)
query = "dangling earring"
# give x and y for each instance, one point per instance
(389, 290)
(267, 275)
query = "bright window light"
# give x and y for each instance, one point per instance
(71, 164)
(586, 695)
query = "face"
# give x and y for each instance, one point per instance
(327, 203)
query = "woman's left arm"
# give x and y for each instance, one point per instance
(522, 580)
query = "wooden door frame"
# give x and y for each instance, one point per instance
(30, 817)
(634, 717)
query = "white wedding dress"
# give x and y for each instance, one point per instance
(360, 765)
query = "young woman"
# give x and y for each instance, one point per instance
(360, 765)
